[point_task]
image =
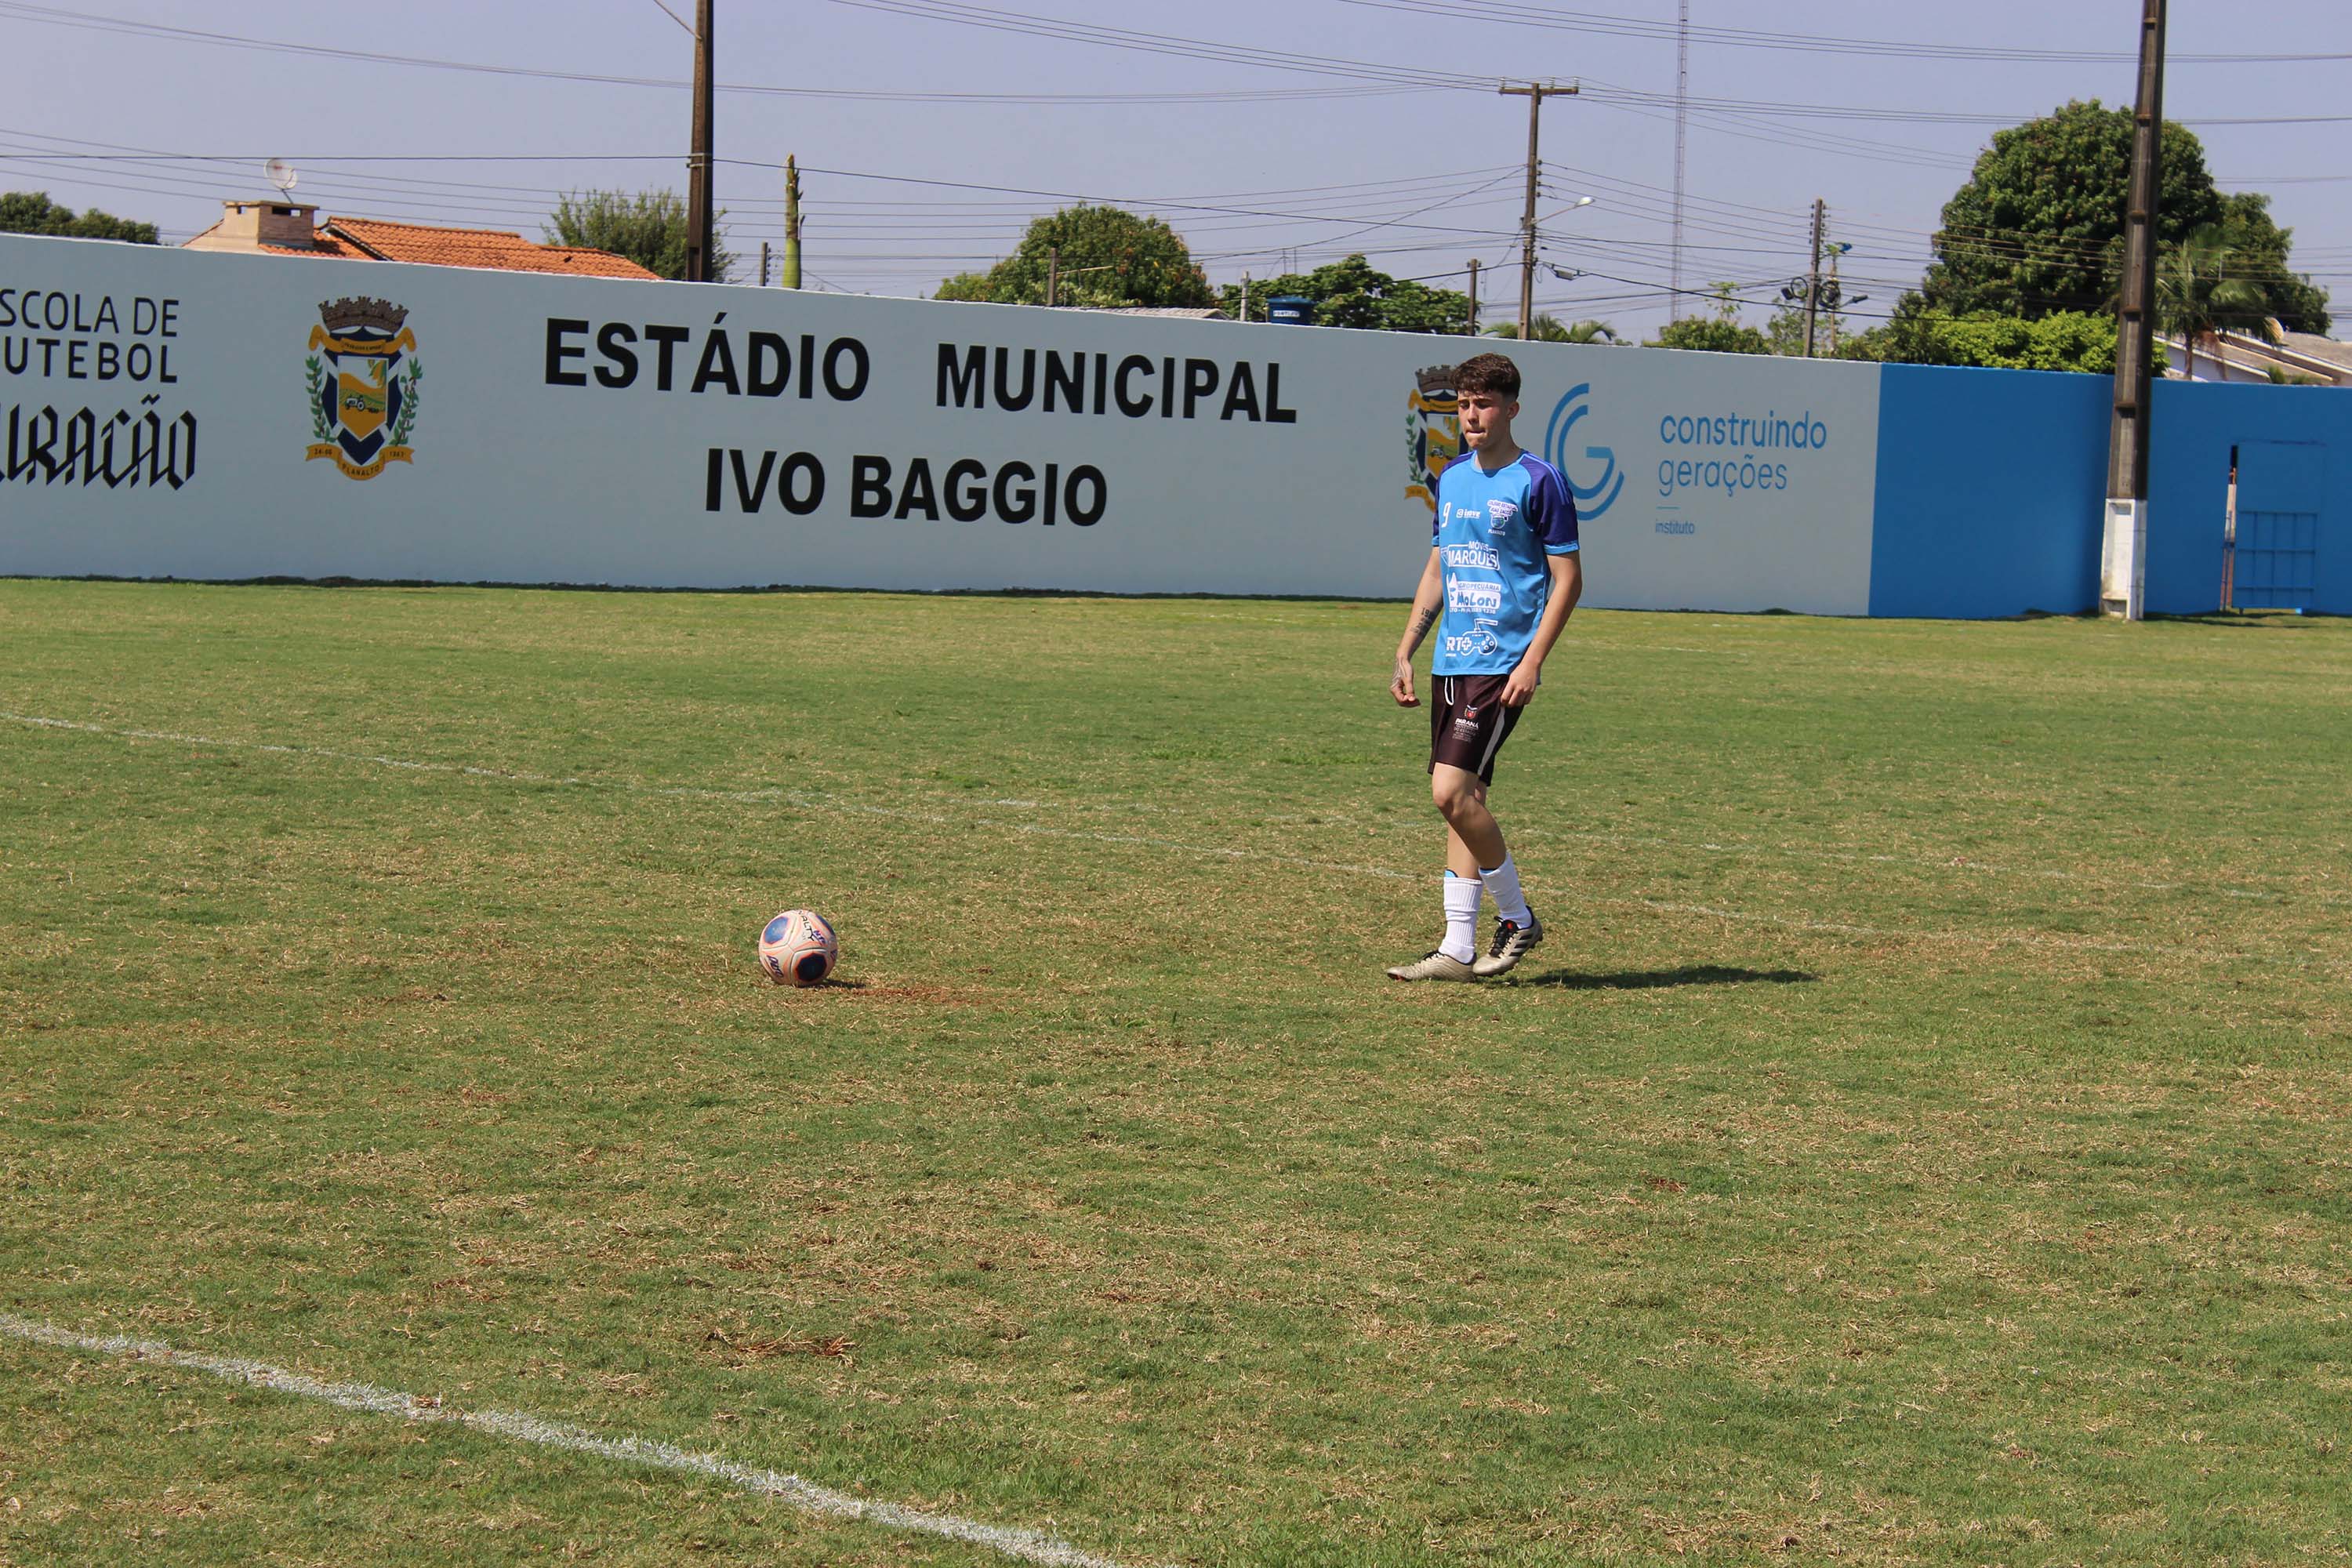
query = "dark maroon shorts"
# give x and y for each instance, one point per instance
(1468, 723)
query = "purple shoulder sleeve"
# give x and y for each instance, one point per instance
(1551, 511)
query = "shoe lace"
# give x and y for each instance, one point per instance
(1504, 931)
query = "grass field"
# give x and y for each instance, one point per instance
(1922, 1139)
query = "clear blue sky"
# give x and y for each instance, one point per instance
(1420, 180)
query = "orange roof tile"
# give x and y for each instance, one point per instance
(499, 249)
(321, 244)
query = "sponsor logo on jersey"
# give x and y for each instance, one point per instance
(1501, 511)
(1468, 596)
(1483, 556)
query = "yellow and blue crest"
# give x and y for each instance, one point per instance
(363, 376)
(1432, 431)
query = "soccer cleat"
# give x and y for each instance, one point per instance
(1435, 966)
(1512, 942)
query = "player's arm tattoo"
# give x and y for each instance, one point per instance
(1423, 617)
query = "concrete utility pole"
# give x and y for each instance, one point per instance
(1813, 275)
(1053, 274)
(763, 264)
(2123, 566)
(1535, 92)
(1474, 295)
(792, 222)
(698, 164)
(1245, 296)
(1836, 296)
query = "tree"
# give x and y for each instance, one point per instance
(1108, 258)
(1786, 330)
(1915, 335)
(1722, 333)
(2198, 294)
(1355, 293)
(647, 226)
(32, 212)
(1548, 329)
(2262, 248)
(1711, 336)
(2036, 227)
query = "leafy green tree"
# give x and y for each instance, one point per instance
(1551, 330)
(2036, 228)
(1108, 258)
(2198, 294)
(1711, 335)
(1721, 332)
(32, 212)
(2068, 341)
(2262, 248)
(1786, 330)
(647, 226)
(1355, 293)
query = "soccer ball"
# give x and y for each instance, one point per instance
(798, 948)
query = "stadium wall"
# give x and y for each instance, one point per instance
(2297, 443)
(1990, 489)
(171, 413)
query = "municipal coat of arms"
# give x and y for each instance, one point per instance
(363, 372)
(1432, 432)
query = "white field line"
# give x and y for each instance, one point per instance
(832, 803)
(1028, 1545)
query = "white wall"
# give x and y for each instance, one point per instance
(513, 478)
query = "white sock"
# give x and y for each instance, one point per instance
(1462, 895)
(1503, 881)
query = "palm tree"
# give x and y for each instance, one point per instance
(2197, 298)
(1548, 329)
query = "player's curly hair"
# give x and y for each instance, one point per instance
(1488, 372)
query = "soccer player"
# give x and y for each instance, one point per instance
(1501, 576)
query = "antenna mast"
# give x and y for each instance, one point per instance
(1682, 130)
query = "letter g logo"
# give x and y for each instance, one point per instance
(1596, 497)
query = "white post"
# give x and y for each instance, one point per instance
(2123, 557)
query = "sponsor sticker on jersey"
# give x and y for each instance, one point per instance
(1470, 597)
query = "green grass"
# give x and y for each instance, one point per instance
(1920, 1141)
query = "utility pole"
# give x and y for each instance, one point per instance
(1053, 274)
(792, 222)
(763, 264)
(1474, 295)
(2123, 567)
(1813, 275)
(698, 163)
(1245, 296)
(1535, 92)
(1836, 297)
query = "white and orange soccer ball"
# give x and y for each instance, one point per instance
(798, 948)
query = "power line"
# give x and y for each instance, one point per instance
(53, 16)
(1515, 14)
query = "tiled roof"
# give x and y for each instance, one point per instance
(499, 248)
(321, 244)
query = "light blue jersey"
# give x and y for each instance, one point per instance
(1494, 534)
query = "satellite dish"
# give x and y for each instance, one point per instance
(281, 174)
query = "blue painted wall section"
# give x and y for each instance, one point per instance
(2188, 478)
(1992, 486)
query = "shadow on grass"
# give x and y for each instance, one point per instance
(1655, 979)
